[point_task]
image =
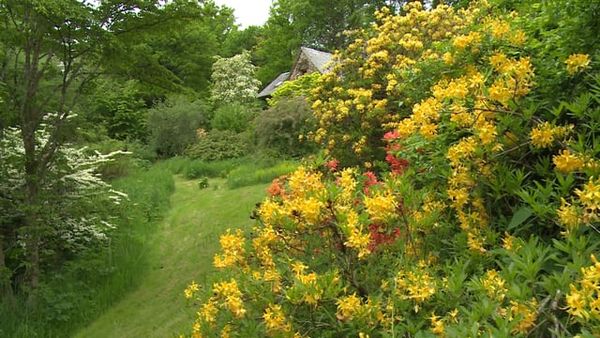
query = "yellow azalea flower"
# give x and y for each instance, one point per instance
(437, 325)
(475, 242)
(191, 290)
(590, 195)
(518, 38)
(448, 58)
(348, 307)
(231, 296)
(576, 303)
(359, 241)
(494, 285)
(500, 92)
(499, 28)
(275, 320)
(417, 287)
(568, 215)
(577, 63)
(381, 207)
(542, 135)
(525, 313)
(233, 250)
(508, 242)
(486, 132)
(566, 162)
(209, 311)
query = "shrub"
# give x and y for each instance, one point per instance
(298, 87)
(173, 125)
(233, 80)
(218, 145)
(197, 168)
(119, 108)
(282, 126)
(485, 222)
(234, 117)
(203, 183)
(76, 204)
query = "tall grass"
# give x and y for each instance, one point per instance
(84, 287)
(251, 174)
(192, 169)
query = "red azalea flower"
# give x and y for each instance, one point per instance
(275, 189)
(332, 165)
(391, 135)
(398, 165)
(379, 236)
(370, 181)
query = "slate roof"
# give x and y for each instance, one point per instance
(274, 84)
(318, 58)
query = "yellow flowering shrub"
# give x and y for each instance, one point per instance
(459, 195)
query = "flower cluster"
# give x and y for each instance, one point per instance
(583, 209)
(577, 63)
(347, 106)
(544, 135)
(233, 250)
(583, 300)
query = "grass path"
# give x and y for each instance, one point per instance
(183, 248)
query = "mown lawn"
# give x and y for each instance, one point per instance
(182, 251)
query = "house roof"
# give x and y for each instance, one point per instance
(318, 58)
(274, 84)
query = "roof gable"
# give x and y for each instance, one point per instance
(269, 89)
(318, 58)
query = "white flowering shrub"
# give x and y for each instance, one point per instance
(76, 203)
(233, 79)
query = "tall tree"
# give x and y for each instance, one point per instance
(51, 49)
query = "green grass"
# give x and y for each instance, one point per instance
(180, 251)
(192, 169)
(250, 174)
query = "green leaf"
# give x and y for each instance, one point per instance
(519, 217)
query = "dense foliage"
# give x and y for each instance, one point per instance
(298, 87)
(283, 126)
(173, 125)
(234, 117)
(217, 145)
(85, 286)
(460, 197)
(77, 204)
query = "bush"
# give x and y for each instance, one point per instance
(218, 145)
(485, 221)
(251, 174)
(119, 108)
(282, 126)
(301, 86)
(140, 156)
(197, 168)
(203, 183)
(233, 117)
(173, 125)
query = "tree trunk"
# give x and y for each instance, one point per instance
(30, 120)
(4, 277)
(32, 226)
